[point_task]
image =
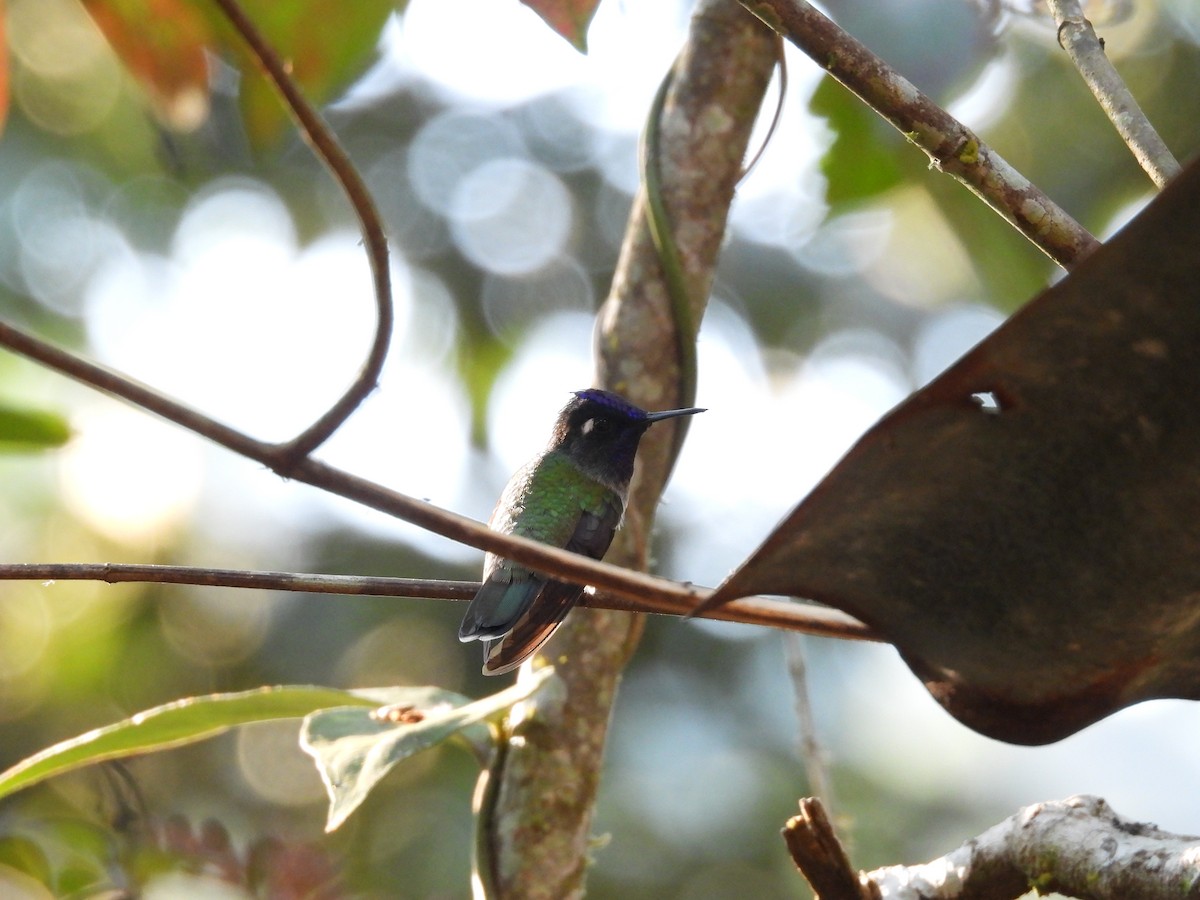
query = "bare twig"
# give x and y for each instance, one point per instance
(1078, 38)
(1078, 847)
(330, 152)
(139, 573)
(816, 767)
(751, 611)
(953, 148)
(818, 854)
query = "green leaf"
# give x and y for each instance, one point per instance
(173, 725)
(22, 854)
(31, 429)
(862, 162)
(355, 748)
(15, 883)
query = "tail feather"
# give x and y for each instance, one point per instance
(497, 607)
(532, 629)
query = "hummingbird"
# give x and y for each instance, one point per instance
(573, 496)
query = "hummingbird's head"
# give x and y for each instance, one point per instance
(600, 431)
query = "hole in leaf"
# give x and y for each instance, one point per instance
(987, 401)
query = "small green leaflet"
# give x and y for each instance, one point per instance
(22, 430)
(354, 747)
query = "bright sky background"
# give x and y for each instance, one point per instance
(209, 317)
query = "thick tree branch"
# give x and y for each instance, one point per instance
(538, 826)
(953, 148)
(804, 618)
(1078, 847)
(1078, 38)
(330, 152)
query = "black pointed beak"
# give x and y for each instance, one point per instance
(672, 413)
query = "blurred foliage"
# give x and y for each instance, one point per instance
(31, 429)
(164, 44)
(862, 162)
(704, 766)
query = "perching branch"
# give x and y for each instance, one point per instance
(1078, 847)
(330, 152)
(804, 618)
(570, 566)
(953, 148)
(1078, 38)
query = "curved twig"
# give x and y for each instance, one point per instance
(953, 148)
(799, 617)
(1078, 38)
(777, 116)
(674, 279)
(330, 152)
(658, 594)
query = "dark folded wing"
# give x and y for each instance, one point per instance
(549, 606)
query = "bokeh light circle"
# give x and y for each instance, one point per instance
(511, 216)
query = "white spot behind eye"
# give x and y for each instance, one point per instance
(587, 426)
(988, 402)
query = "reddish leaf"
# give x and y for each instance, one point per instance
(1037, 566)
(162, 43)
(325, 43)
(3, 67)
(569, 18)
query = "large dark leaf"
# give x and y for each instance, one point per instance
(1037, 565)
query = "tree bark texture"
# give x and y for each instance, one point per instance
(537, 811)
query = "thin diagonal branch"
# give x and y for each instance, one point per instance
(654, 593)
(953, 148)
(804, 618)
(330, 152)
(1078, 38)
